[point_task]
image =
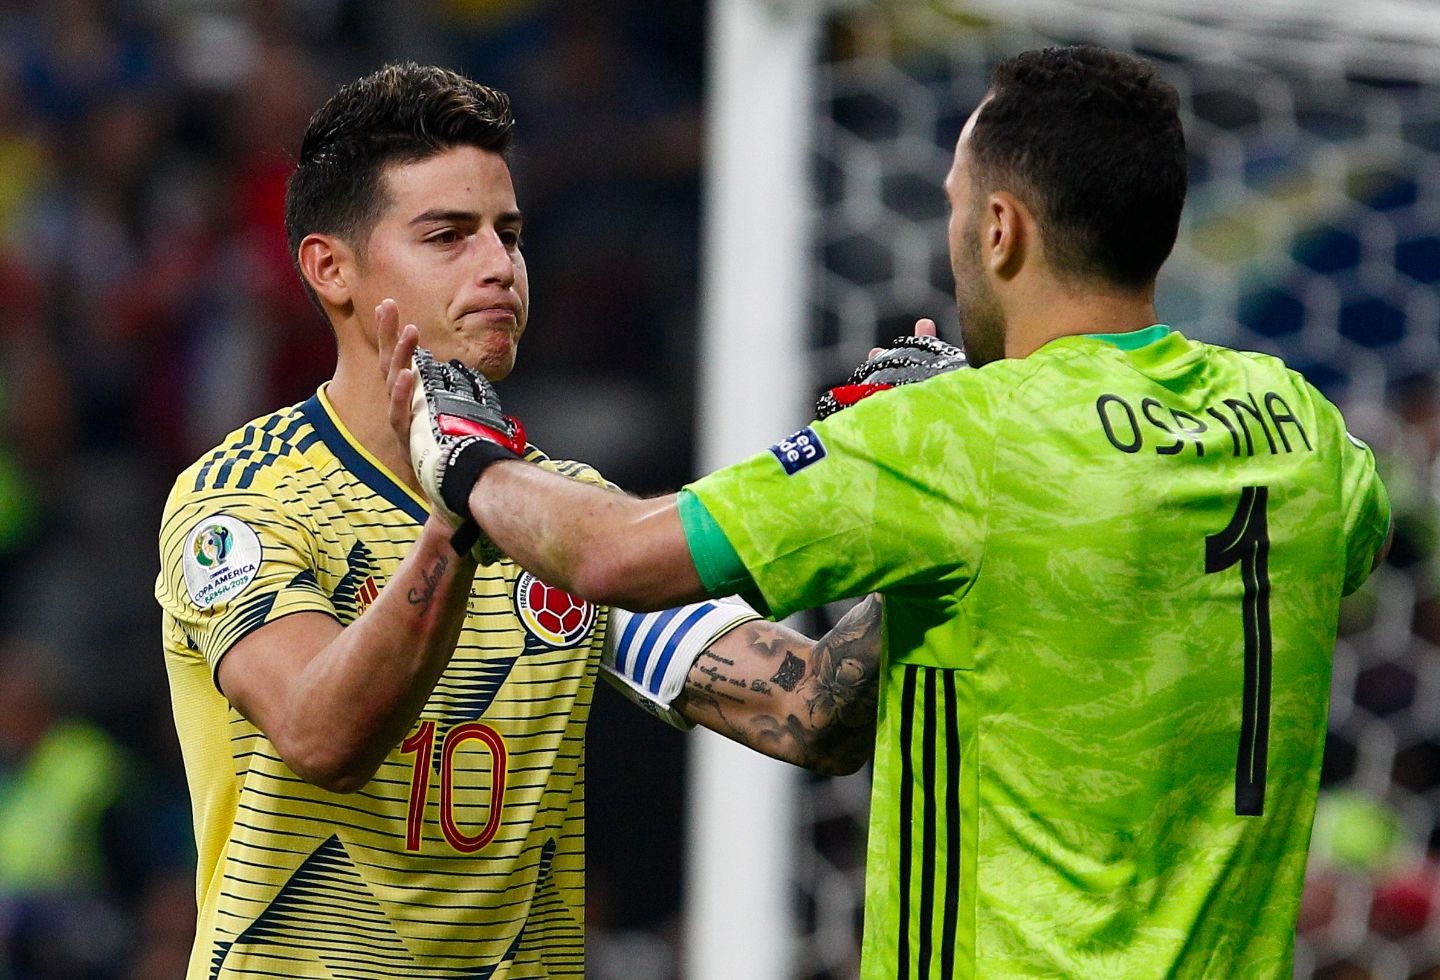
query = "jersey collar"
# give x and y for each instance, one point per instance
(357, 459)
(1134, 339)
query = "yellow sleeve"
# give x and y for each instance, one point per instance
(230, 562)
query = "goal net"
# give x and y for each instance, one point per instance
(1312, 230)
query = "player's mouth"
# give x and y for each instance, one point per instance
(500, 314)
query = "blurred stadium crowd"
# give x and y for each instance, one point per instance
(149, 307)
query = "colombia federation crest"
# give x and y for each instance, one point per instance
(552, 615)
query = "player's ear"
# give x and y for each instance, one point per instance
(1007, 231)
(324, 261)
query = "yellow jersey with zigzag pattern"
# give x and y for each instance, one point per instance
(463, 856)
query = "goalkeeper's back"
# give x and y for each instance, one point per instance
(1169, 532)
(1111, 573)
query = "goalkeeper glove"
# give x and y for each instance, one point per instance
(907, 360)
(456, 430)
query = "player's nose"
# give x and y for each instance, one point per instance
(494, 262)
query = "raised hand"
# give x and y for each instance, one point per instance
(909, 359)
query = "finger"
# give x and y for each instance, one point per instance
(924, 327)
(402, 350)
(387, 331)
(405, 349)
(400, 394)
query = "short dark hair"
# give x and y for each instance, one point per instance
(399, 114)
(1091, 141)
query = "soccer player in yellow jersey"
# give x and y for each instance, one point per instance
(383, 739)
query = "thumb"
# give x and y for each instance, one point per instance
(924, 327)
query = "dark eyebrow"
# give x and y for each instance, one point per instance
(464, 217)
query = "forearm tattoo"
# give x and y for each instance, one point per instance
(431, 578)
(847, 668)
(812, 703)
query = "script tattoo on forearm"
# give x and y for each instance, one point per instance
(821, 697)
(431, 578)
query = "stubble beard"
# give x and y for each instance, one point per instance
(982, 321)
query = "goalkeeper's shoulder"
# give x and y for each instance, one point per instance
(969, 400)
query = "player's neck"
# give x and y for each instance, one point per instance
(357, 393)
(1061, 310)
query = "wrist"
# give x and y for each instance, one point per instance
(468, 460)
(470, 536)
(436, 533)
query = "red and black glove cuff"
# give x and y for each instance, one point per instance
(468, 459)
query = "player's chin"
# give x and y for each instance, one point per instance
(491, 354)
(496, 364)
(497, 372)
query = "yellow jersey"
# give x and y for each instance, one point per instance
(464, 855)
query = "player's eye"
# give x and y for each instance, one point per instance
(445, 236)
(510, 237)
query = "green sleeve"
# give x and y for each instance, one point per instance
(720, 569)
(880, 496)
(1367, 518)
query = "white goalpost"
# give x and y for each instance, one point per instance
(753, 390)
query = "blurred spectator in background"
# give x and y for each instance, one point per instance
(34, 423)
(86, 836)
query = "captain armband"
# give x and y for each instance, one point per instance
(648, 655)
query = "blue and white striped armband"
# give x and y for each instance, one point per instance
(648, 655)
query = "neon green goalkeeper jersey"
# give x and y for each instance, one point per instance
(1111, 576)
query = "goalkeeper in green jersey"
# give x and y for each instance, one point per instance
(1111, 559)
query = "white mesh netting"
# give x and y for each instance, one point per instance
(1312, 231)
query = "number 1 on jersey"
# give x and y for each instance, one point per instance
(1246, 542)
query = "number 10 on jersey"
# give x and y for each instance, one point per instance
(1246, 542)
(421, 745)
